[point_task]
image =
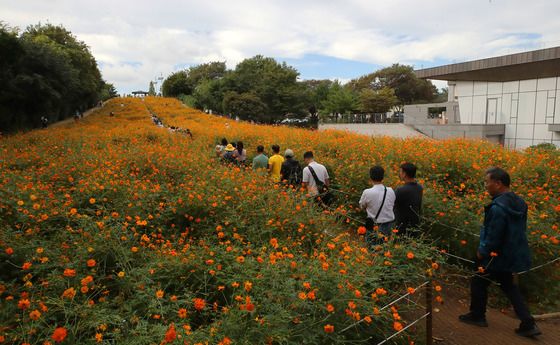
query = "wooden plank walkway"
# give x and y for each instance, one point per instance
(500, 331)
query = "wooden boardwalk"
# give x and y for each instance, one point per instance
(449, 331)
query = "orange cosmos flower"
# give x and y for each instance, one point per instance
(361, 230)
(35, 315)
(160, 293)
(170, 335)
(59, 334)
(329, 328)
(69, 272)
(199, 304)
(410, 255)
(69, 293)
(182, 313)
(91, 263)
(397, 326)
(24, 304)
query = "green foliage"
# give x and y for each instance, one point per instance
(176, 84)
(46, 71)
(339, 100)
(377, 101)
(247, 106)
(401, 78)
(152, 89)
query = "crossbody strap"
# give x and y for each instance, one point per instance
(317, 181)
(382, 203)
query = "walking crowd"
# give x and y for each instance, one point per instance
(503, 250)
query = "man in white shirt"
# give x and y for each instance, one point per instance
(378, 202)
(308, 181)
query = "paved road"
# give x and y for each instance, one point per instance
(397, 130)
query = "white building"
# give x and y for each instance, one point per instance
(514, 98)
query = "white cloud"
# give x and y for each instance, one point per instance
(136, 40)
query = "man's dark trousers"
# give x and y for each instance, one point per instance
(479, 294)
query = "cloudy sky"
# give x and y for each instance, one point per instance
(137, 41)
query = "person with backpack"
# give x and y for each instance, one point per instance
(291, 169)
(378, 201)
(228, 155)
(316, 179)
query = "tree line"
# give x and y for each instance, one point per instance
(263, 90)
(46, 71)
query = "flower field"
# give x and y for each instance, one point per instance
(116, 231)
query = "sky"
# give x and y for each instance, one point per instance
(135, 42)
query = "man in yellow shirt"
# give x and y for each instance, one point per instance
(275, 164)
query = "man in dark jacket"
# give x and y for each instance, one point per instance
(290, 170)
(503, 251)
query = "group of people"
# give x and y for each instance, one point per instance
(390, 209)
(233, 152)
(503, 249)
(157, 121)
(281, 168)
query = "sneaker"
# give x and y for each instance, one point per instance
(528, 330)
(473, 320)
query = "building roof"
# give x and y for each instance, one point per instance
(534, 64)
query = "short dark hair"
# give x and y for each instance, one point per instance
(376, 173)
(308, 154)
(409, 169)
(275, 148)
(499, 174)
(224, 141)
(260, 149)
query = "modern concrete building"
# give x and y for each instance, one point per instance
(512, 99)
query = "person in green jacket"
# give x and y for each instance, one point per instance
(503, 251)
(261, 160)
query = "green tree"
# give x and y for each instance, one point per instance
(401, 78)
(176, 84)
(340, 100)
(209, 94)
(273, 83)
(377, 101)
(152, 89)
(247, 106)
(45, 71)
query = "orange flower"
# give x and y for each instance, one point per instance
(9, 251)
(361, 230)
(248, 286)
(397, 326)
(69, 272)
(328, 328)
(91, 263)
(410, 255)
(160, 293)
(182, 313)
(69, 293)
(24, 304)
(59, 334)
(330, 308)
(199, 304)
(170, 335)
(35, 315)
(26, 265)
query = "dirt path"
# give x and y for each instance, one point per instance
(500, 331)
(71, 120)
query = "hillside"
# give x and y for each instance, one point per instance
(114, 229)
